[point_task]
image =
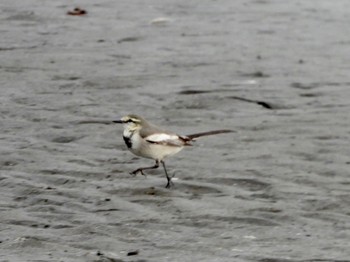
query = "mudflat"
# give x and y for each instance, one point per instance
(276, 72)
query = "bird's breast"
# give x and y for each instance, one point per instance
(132, 140)
(128, 137)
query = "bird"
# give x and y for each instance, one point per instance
(150, 141)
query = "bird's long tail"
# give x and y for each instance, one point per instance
(209, 133)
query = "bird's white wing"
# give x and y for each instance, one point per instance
(165, 139)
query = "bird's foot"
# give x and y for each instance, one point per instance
(139, 170)
(170, 183)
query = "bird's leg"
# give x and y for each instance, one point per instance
(143, 168)
(168, 185)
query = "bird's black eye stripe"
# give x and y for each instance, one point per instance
(129, 121)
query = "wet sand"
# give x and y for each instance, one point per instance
(275, 190)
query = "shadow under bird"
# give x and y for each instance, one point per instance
(147, 140)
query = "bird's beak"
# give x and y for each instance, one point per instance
(118, 121)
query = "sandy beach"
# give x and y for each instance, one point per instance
(276, 72)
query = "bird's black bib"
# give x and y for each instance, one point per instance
(127, 141)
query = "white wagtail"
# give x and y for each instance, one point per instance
(149, 141)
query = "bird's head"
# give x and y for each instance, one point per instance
(131, 122)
